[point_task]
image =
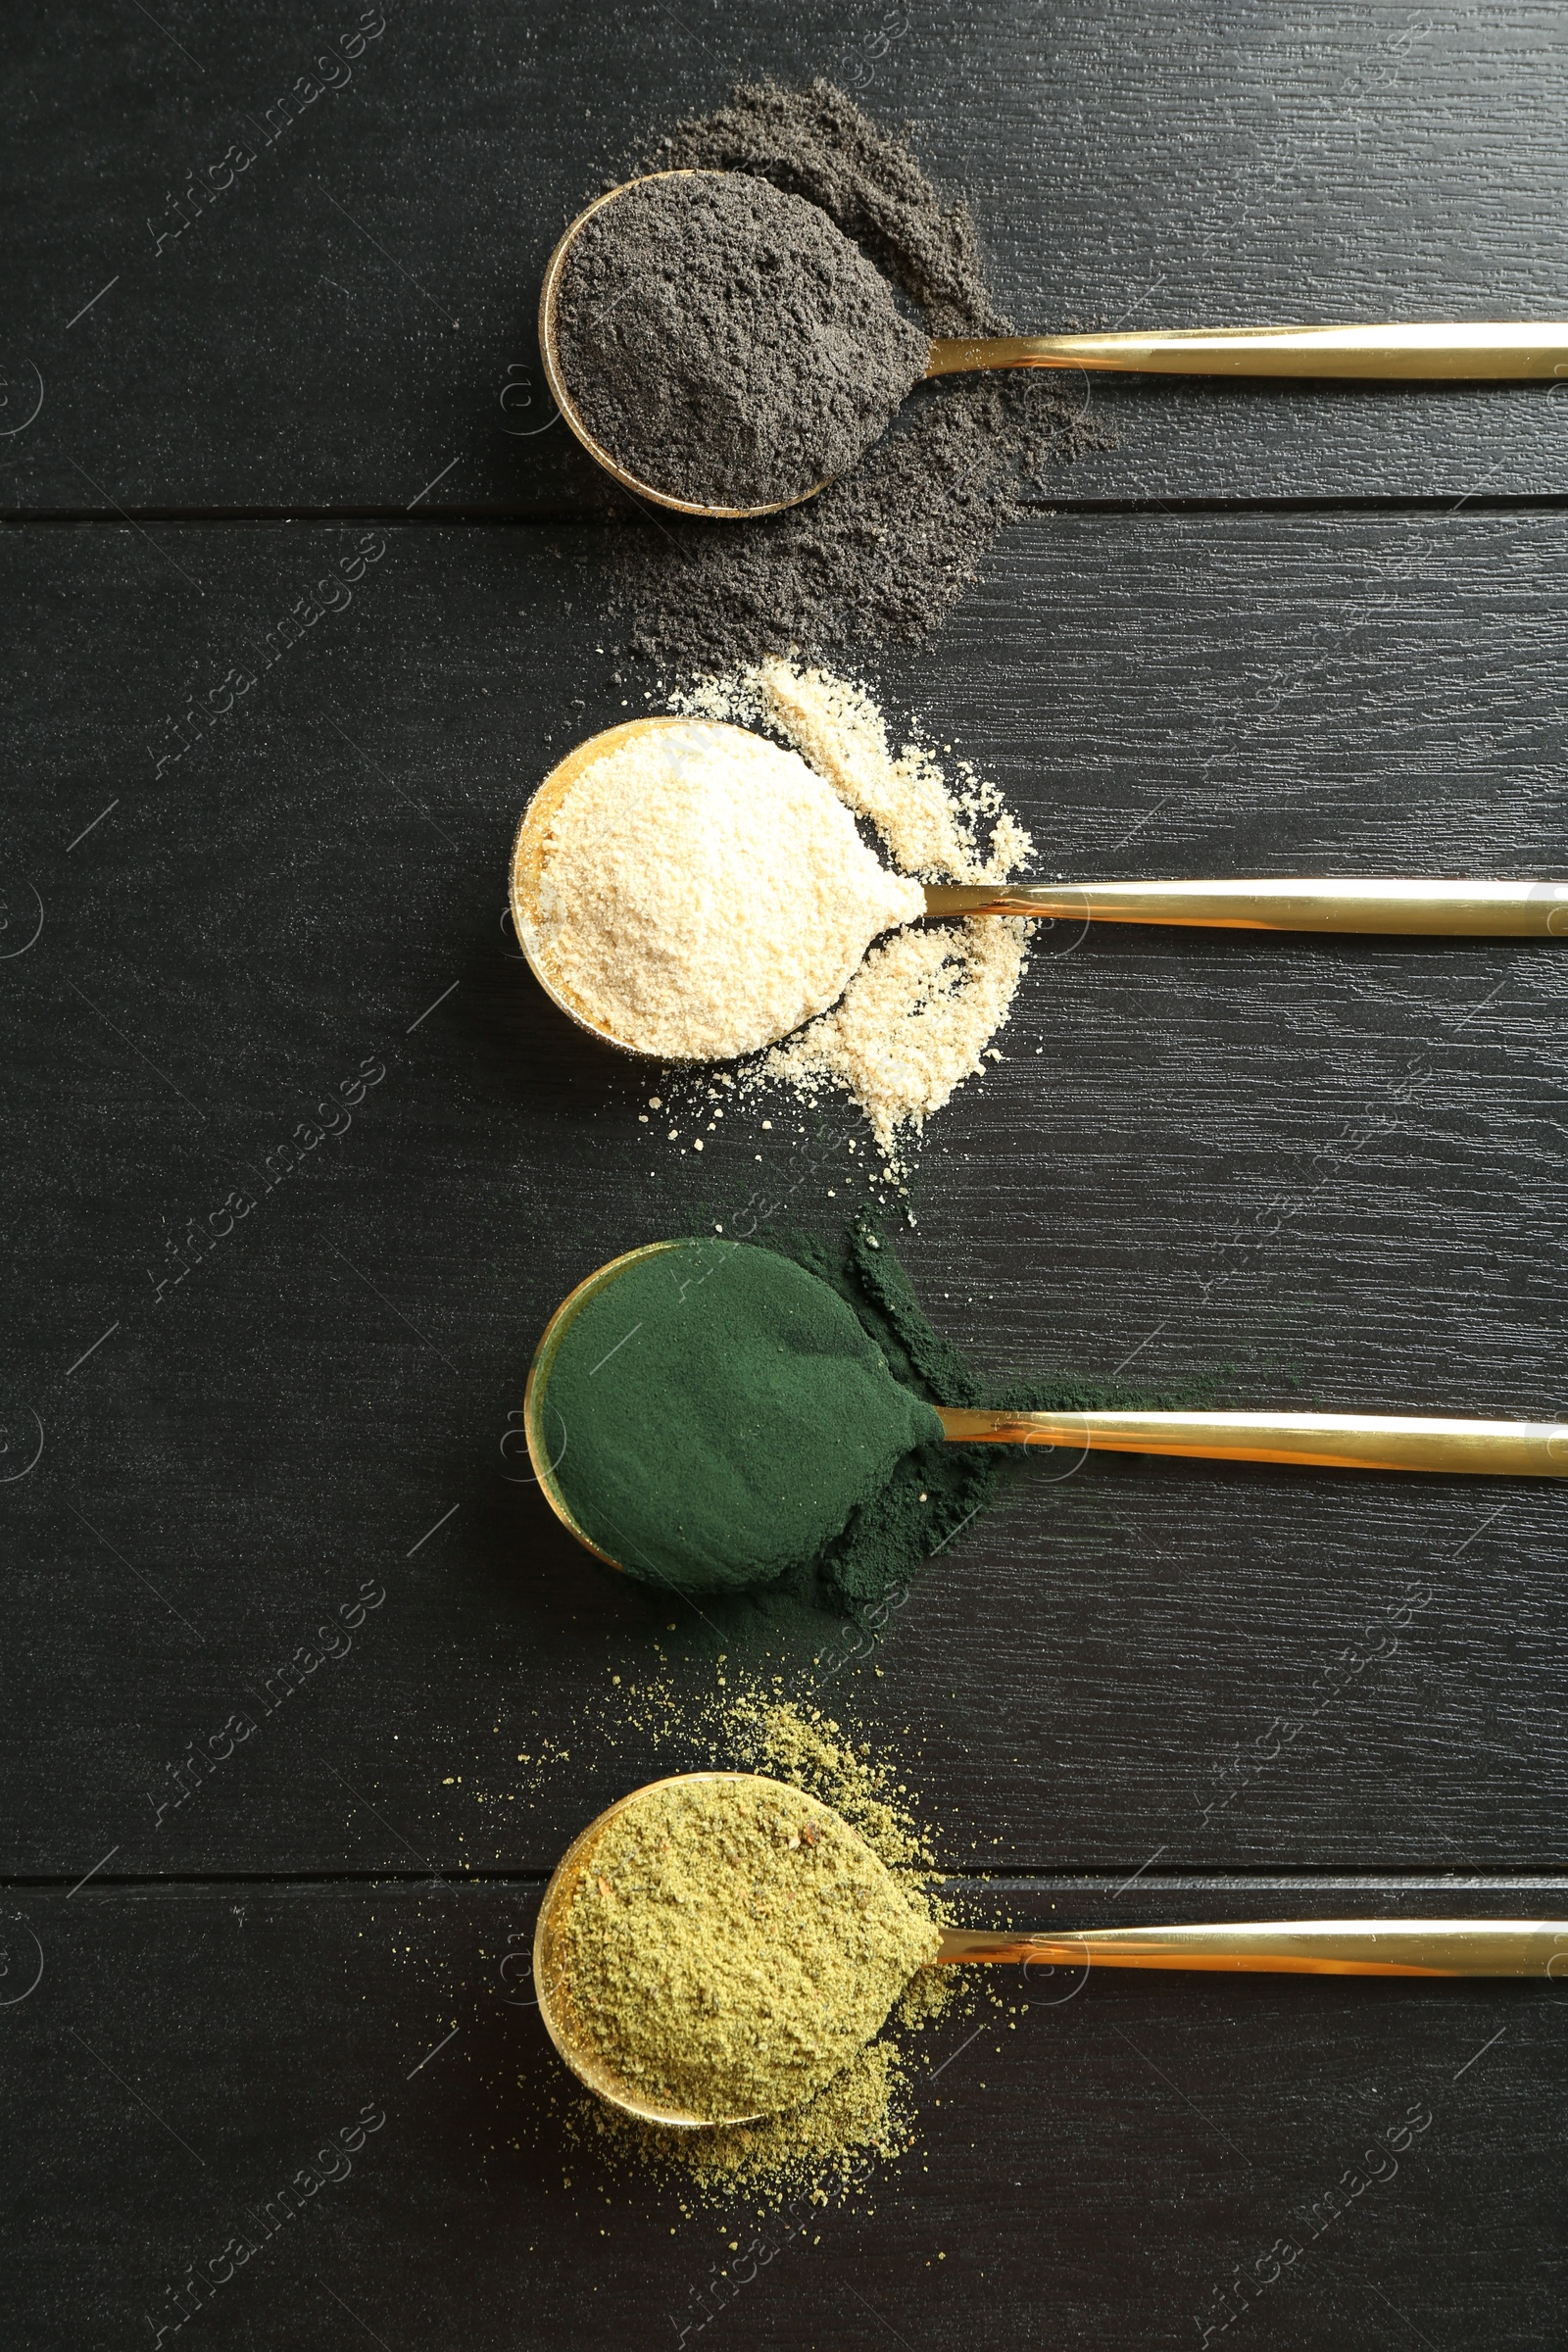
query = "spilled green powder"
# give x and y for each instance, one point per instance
(741, 1420)
(816, 2153)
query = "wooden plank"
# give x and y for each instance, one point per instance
(1130, 2159)
(1331, 1173)
(346, 319)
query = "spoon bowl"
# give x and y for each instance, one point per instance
(563, 2019)
(527, 869)
(527, 882)
(555, 376)
(547, 1448)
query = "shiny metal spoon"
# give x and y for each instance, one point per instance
(1474, 909)
(1332, 1947)
(1475, 351)
(1432, 1443)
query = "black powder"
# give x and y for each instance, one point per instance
(820, 145)
(878, 556)
(883, 552)
(726, 343)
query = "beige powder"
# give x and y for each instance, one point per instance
(920, 1014)
(914, 1022)
(931, 827)
(703, 892)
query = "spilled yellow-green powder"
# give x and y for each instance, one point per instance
(832, 2148)
(818, 2151)
(731, 1946)
(796, 1742)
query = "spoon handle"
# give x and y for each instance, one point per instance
(1292, 902)
(1478, 351)
(1322, 1947)
(1316, 1441)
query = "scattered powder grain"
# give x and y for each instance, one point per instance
(703, 892)
(726, 343)
(920, 1014)
(731, 1945)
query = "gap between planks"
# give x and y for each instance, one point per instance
(557, 517)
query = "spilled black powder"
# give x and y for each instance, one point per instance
(877, 558)
(883, 552)
(819, 144)
(726, 343)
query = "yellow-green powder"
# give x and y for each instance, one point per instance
(731, 1945)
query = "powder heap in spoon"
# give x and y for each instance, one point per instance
(731, 1945)
(702, 893)
(717, 1414)
(726, 343)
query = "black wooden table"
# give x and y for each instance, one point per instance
(1274, 628)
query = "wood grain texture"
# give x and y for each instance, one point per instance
(347, 318)
(1331, 1173)
(1126, 2160)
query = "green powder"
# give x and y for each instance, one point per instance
(733, 1945)
(754, 1422)
(723, 1415)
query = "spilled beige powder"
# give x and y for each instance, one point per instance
(703, 892)
(914, 1023)
(931, 827)
(920, 1014)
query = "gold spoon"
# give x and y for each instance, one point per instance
(1324, 1948)
(1477, 350)
(1308, 1441)
(1477, 909)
